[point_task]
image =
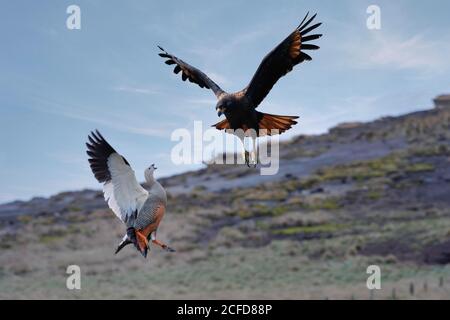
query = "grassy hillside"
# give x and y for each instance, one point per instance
(362, 194)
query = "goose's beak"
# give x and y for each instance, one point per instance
(122, 245)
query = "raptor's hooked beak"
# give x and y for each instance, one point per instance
(219, 111)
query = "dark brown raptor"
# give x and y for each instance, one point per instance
(240, 108)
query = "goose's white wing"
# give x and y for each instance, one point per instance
(125, 196)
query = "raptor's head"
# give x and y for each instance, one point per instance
(223, 106)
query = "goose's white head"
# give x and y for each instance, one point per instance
(148, 173)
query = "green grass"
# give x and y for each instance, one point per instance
(362, 170)
(25, 219)
(74, 208)
(323, 204)
(274, 194)
(377, 168)
(419, 167)
(374, 194)
(438, 150)
(323, 228)
(54, 236)
(258, 210)
(48, 239)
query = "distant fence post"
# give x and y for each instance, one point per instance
(411, 288)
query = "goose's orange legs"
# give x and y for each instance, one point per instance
(162, 245)
(141, 240)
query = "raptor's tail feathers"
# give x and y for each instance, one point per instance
(268, 122)
(271, 122)
(222, 125)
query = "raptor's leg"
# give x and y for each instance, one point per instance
(246, 154)
(162, 245)
(255, 152)
(247, 158)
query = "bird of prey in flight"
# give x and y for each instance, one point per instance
(140, 210)
(239, 108)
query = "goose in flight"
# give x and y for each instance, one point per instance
(239, 108)
(140, 210)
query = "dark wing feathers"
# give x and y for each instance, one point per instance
(177, 69)
(189, 72)
(310, 28)
(99, 150)
(281, 60)
(311, 37)
(304, 25)
(310, 47)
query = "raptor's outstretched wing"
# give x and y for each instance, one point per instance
(281, 60)
(125, 196)
(192, 74)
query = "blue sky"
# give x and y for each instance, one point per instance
(58, 84)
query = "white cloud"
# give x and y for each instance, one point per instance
(394, 52)
(220, 79)
(203, 102)
(218, 53)
(220, 48)
(139, 90)
(123, 121)
(72, 159)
